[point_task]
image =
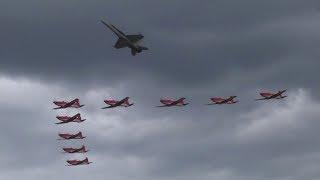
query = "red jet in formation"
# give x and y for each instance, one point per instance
(66, 136)
(63, 104)
(68, 119)
(170, 102)
(270, 95)
(219, 100)
(78, 162)
(114, 103)
(82, 149)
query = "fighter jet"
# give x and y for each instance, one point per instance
(72, 104)
(130, 41)
(219, 100)
(68, 119)
(270, 95)
(170, 102)
(78, 162)
(82, 149)
(114, 103)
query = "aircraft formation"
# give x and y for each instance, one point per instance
(165, 102)
(132, 42)
(68, 136)
(111, 103)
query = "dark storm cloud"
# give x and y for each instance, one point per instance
(190, 42)
(58, 49)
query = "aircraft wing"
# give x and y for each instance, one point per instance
(163, 106)
(118, 30)
(70, 120)
(69, 104)
(134, 38)
(121, 43)
(119, 33)
(260, 99)
(107, 107)
(277, 94)
(62, 122)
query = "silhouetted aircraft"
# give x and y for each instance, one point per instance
(130, 41)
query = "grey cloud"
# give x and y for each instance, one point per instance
(59, 50)
(76, 48)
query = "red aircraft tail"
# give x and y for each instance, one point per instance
(80, 135)
(181, 101)
(77, 116)
(86, 160)
(126, 102)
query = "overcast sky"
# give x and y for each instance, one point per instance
(58, 50)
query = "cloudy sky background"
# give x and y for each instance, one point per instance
(52, 50)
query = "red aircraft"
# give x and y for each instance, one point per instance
(219, 100)
(114, 103)
(170, 102)
(63, 104)
(65, 136)
(82, 149)
(67, 119)
(78, 162)
(270, 95)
